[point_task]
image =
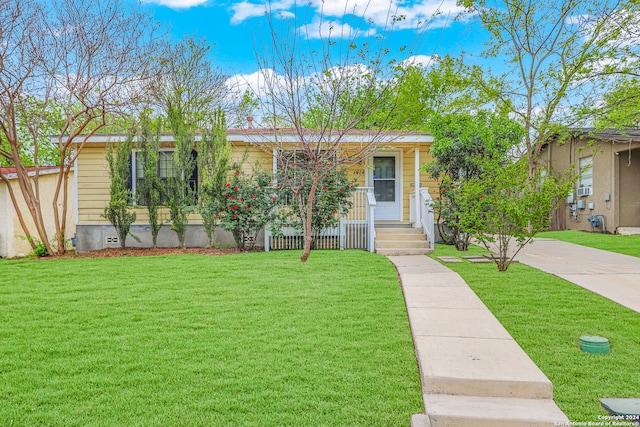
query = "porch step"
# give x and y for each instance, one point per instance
(401, 239)
(472, 411)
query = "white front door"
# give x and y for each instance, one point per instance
(386, 184)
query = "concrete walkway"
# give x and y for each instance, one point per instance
(473, 373)
(614, 276)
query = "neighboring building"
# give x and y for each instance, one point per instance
(12, 241)
(398, 164)
(605, 197)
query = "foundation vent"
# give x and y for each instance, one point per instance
(112, 240)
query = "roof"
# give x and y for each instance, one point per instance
(10, 173)
(613, 135)
(262, 135)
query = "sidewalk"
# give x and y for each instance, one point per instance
(614, 276)
(473, 373)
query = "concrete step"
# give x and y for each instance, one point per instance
(408, 231)
(472, 411)
(403, 251)
(392, 224)
(405, 243)
(486, 367)
(401, 238)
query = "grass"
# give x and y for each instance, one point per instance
(546, 315)
(188, 340)
(627, 245)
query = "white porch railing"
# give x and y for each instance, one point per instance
(355, 229)
(422, 215)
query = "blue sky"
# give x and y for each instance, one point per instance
(232, 27)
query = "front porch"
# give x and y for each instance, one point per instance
(359, 229)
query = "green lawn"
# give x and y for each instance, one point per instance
(256, 340)
(628, 245)
(546, 315)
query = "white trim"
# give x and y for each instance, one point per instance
(274, 137)
(416, 180)
(75, 195)
(267, 136)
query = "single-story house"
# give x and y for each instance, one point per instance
(12, 241)
(387, 182)
(605, 195)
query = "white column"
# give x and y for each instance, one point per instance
(416, 172)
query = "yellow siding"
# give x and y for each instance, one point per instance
(248, 155)
(408, 178)
(93, 184)
(93, 177)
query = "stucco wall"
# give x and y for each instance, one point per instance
(615, 183)
(11, 243)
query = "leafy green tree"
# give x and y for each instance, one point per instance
(501, 208)
(149, 192)
(561, 56)
(247, 206)
(190, 91)
(461, 143)
(622, 109)
(182, 190)
(119, 210)
(214, 151)
(421, 93)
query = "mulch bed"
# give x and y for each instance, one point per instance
(117, 252)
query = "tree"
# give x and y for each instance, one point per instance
(186, 81)
(213, 167)
(182, 189)
(561, 57)
(421, 93)
(461, 145)
(150, 188)
(622, 106)
(331, 200)
(190, 92)
(306, 85)
(76, 58)
(119, 211)
(501, 207)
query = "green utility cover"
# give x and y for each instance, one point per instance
(629, 407)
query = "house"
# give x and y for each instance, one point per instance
(12, 240)
(387, 182)
(605, 197)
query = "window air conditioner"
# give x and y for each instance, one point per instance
(584, 191)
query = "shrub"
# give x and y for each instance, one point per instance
(245, 207)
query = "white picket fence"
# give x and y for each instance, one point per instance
(353, 231)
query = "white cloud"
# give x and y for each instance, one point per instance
(245, 10)
(380, 13)
(326, 29)
(177, 4)
(419, 60)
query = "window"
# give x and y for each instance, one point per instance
(585, 165)
(166, 171)
(384, 179)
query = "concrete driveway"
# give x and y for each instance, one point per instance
(609, 274)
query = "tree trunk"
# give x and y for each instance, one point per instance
(307, 221)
